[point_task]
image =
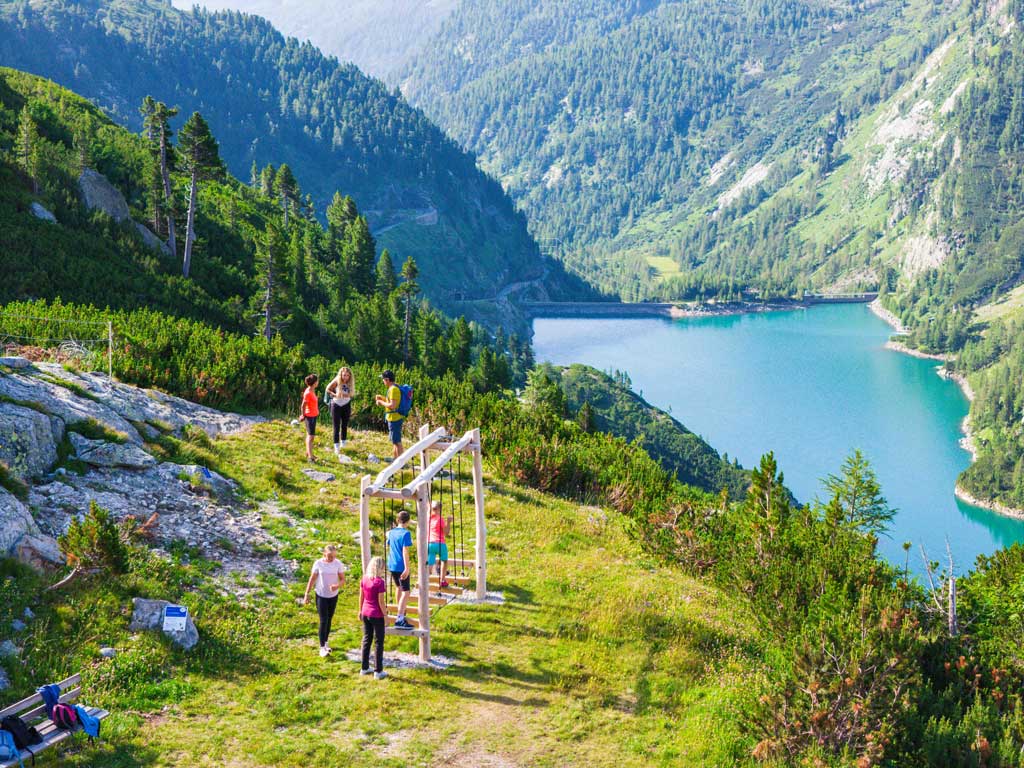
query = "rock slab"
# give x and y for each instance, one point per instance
(41, 213)
(20, 537)
(99, 453)
(28, 445)
(149, 614)
(99, 194)
(320, 477)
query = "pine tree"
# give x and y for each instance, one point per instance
(254, 175)
(386, 281)
(275, 296)
(340, 213)
(460, 346)
(202, 161)
(267, 176)
(287, 190)
(297, 253)
(156, 120)
(409, 288)
(857, 497)
(359, 256)
(27, 150)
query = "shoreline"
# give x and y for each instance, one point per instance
(967, 441)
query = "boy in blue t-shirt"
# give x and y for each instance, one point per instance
(399, 547)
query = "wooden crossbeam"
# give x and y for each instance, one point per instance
(406, 456)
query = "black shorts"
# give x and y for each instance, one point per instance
(402, 584)
(310, 425)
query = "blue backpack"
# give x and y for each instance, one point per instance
(8, 749)
(405, 403)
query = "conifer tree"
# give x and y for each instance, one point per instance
(360, 256)
(409, 288)
(287, 190)
(340, 213)
(267, 176)
(275, 296)
(460, 346)
(386, 281)
(254, 175)
(156, 121)
(201, 159)
(27, 150)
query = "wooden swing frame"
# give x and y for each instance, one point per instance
(418, 488)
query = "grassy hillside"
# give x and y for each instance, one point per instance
(555, 676)
(271, 99)
(616, 409)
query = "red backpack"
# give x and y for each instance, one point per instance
(64, 717)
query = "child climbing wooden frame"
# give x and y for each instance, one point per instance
(419, 490)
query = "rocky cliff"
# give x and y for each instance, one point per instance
(70, 438)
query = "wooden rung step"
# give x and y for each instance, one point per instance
(410, 608)
(406, 632)
(436, 580)
(390, 622)
(432, 599)
(453, 564)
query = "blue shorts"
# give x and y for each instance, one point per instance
(395, 431)
(437, 549)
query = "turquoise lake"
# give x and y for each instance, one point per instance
(811, 385)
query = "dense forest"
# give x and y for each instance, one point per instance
(621, 127)
(275, 100)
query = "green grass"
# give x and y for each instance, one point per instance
(599, 656)
(95, 430)
(1005, 306)
(12, 483)
(664, 265)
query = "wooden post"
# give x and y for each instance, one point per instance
(364, 520)
(481, 523)
(424, 432)
(110, 350)
(423, 578)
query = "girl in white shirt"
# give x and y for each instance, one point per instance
(341, 390)
(328, 575)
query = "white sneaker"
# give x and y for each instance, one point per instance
(328, 648)
(323, 651)
(337, 447)
(380, 675)
(343, 443)
(365, 671)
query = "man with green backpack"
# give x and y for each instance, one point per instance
(396, 404)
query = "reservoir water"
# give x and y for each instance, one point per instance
(811, 385)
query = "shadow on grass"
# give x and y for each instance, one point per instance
(494, 698)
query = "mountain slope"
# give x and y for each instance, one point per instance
(612, 123)
(378, 36)
(270, 100)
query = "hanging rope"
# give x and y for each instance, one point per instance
(462, 527)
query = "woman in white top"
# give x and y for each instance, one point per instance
(341, 390)
(328, 575)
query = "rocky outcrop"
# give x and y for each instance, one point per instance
(149, 614)
(21, 538)
(42, 404)
(99, 453)
(41, 213)
(98, 194)
(28, 440)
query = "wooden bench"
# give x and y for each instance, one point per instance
(32, 711)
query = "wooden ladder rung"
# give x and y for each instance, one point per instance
(406, 632)
(411, 619)
(436, 580)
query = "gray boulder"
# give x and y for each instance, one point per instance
(8, 649)
(150, 239)
(5, 682)
(99, 453)
(15, 362)
(107, 652)
(18, 625)
(41, 213)
(39, 551)
(28, 445)
(148, 615)
(100, 194)
(21, 538)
